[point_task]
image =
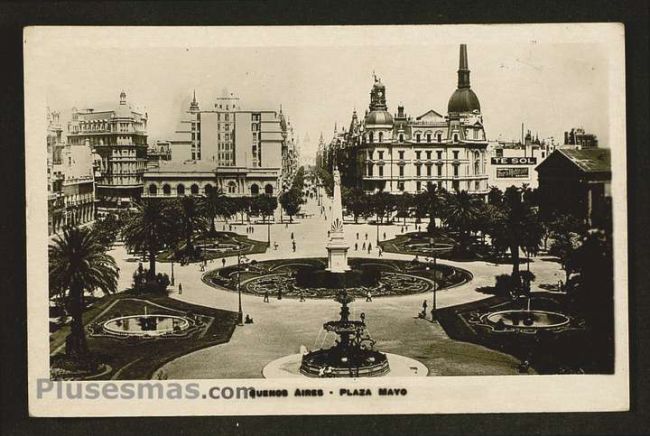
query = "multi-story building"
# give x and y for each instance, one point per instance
(71, 190)
(55, 201)
(513, 163)
(158, 151)
(579, 139)
(119, 137)
(236, 151)
(403, 154)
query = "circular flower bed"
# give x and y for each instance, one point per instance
(291, 278)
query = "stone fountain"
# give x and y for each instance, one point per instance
(352, 355)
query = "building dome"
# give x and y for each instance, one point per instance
(379, 117)
(463, 100)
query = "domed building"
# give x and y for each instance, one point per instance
(398, 153)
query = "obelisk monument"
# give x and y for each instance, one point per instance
(337, 248)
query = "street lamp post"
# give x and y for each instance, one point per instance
(172, 281)
(435, 284)
(240, 313)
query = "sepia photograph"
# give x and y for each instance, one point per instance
(327, 212)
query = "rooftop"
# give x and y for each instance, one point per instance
(595, 160)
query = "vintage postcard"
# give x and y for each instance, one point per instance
(326, 220)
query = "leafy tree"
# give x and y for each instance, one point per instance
(107, 229)
(327, 180)
(405, 203)
(263, 205)
(565, 241)
(148, 229)
(291, 201)
(77, 263)
(383, 204)
(356, 202)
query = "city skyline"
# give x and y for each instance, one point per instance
(547, 87)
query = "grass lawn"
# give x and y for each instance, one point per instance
(444, 246)
(565, 350)
(137, 359)
(229, 239)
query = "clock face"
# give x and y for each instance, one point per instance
(380, 93)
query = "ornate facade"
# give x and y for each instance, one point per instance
(71, 189)
(118, 136)
(398, 153)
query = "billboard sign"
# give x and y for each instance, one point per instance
(512, 173)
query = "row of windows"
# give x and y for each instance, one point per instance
(418, 137)
(455, 185)
(418, 169)
(418, 154)
(195, 190)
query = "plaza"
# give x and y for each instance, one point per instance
(280, 327)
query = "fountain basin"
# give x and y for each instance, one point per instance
(361, 363)
(146, 325)
(527, 319)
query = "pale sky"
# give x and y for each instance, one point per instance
(550, 87)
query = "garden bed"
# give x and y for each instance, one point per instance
(130, 358)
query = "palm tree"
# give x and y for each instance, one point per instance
(147, 229)
(77, 263)
(515, 225)
(190, 220)
(431, 202)
(213, 205)
(461, 214)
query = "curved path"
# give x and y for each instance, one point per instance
(281, 326)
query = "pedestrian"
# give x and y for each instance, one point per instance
(292, 235)
(180, 289)
(366, 236)
(223, 262)
(302, 296)
(357, 236)
(294, 246)
(252, 229)
(369, 247)
(279, 293)
(380, 252)
(230, 227)
(202, 268)
(328, 233)
(266, 296)
(363, 317)
(424, 306)
(275, 246)
(369, 297)
(356, 246)
(384, 235)
(363, 247)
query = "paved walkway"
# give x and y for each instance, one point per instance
(281, 326)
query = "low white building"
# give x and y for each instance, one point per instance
(239, 152)
(514, 163)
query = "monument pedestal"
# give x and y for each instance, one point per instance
(337, 257)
